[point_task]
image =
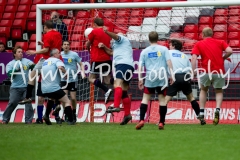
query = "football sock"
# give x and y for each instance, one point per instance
(29, 91)
(126, 103)
(195, 107)
(69, 113)
(143, 110)
(162, 113)
(201, 112)
(74, 111)
(99, 84)
(49, 107)
(40, 111)
(218, 109)
(117, 96)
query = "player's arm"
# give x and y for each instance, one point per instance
(172, 77)
(195, 54)
(228, 51)
(10, 70)
(107, 50)
(141, 64)
(111, 34)
(82, 70)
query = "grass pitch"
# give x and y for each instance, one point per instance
(88, 141)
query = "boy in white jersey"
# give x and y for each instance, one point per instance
(156, 61)
(17, 70)
(73, 64)
(123, 64)
(182, 68)
(51, 79)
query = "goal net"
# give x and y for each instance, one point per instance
(172, 20)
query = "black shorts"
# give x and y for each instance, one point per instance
(55, 95)
(71, 86)
(154, 90)
(39, 90)
(180, 85)
(105, 68)
(124, 72)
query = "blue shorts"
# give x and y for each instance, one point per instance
(124, 72)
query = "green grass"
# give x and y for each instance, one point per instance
(114, 142)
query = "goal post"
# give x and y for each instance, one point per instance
(167, 17)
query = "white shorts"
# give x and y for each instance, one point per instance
(217, 81)
(38, 66)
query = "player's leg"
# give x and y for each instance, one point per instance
(67, 110)
(73, 95)
(144, 105)
(14, 98)
(162, 106)
(50, 103)
(40, 107)
(218, 83)
(126, 103)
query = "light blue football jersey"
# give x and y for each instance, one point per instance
(20, 78)
(154, 58)
(180, 61)
(51, 77)
(71, 59)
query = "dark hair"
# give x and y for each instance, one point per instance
(176, 44)
(66, 41)
(15, 50)
(99, 21)
(49, 24)
(153, 37)
(1, 43)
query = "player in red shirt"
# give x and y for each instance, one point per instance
(211, 52)
(52, 39)
(99, 56)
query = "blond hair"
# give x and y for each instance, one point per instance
(207, 32)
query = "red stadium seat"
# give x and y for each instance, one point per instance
(80, 22)
(63, 12)
(123, 13)
(233, 27)
(3, 40)
(32, 46)
(120, 21)
(5, 31)
(77, 37)
(190, 28)
(231, 7)
(23, 8)
(200, 36)
(189, 45)
(10, 8)
(26, 2)
(77, 46)
(9, 16)
(125, 1)
(139, 0)
(33, 38)
(176, 35)
(64, 1)
(234, 43)
(83, 14)
(19, 23)
(45, 17)
(33, 8)
(6, 23)
(13, 2)
(3, 2)
(234, 19)
(201, 27)
(220, 35)
(136, 13)
(220, 20)
(79, 29)
(234, 36)
(24, 45)
(191, 36)
(150, 12)
(38, 1)
(234, 12)
(31, 25)
(221, 12)
(163, 43)
(51, 2)
(152, 0)
(32, 15)
(120, 30)
(220, 27)
(112, 1)
(68, 22)
(206, 20)
(16, 33)
(21, 15)
(110, 13)
(135, 21)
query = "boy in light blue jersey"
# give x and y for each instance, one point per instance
(123, 64)
(182, 69)
(156, 61)
(51, 79)
(73, 65)
(17, 70)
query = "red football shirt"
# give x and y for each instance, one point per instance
(52, 39)
(211, 50)
(95, 37)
